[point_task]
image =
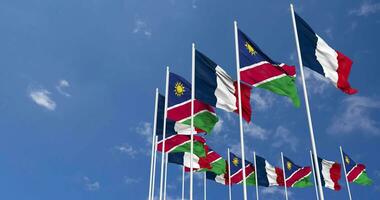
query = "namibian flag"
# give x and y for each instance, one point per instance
(179, 105)
(215, 87)
(330, 171)
(295, 175)
(175, 142)
(258, 70)
(184, 159)
(356, 173)
(236, 169)
(267, 175)
(321, 58)
(215, 161)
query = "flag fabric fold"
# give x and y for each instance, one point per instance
(330, 173)
(179, 106)
(236, 168)
(184, 159)
(321, 58)
(214, 86)
(268, 175)
(258, 70)
(356, 173)
(295, 175)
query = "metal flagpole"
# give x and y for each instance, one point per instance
(283, 169)
(345, 174)
(164, 133)
(192, 117)
(240, 111)
(204, 187)
(257, 182)
(154, 166)
(153, 143)
(229, 174)
(315, 178)
(314, 148)
(166, 174)
(183, 182)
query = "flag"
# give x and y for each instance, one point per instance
(236, 168)
(222, 178)
(175, 142)
(216, 162)
(184, 159)
(258, 70)
(295, 175)
(321, 58)
(179, 105)
(215, 87)
(267, 175)
(330, 171)
(356, 173)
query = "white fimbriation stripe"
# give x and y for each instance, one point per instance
(254, 65)
(328, 58)
(326, 166)
(269, 80)
(187, 160)
(225, 91)
(271, 174)
(180, 104)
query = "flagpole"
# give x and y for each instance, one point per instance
(183, 182)
(166, 174)
(153, 139)
(256, 180)
(192, 117)
(240, 111)
(154, 166)
(283, 169)
(164, 133)
(229, 174)
(204, 187)
(315, 178)
(345, 174)
(313, 145)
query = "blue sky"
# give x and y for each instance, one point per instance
(77, 88)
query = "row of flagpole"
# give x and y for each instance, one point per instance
(162, 191)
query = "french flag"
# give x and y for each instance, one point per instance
(321, 58)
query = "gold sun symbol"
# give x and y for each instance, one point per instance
(250, 49)
(289, 165)
(179, 89)
(347, 160)
(235, 161)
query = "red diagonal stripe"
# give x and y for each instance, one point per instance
(355, 172)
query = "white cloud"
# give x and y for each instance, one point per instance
(129, 180)
(315, 82)
(194, 4)
(218, 126)
(127, 149)
(274, 190)
(256, 131)
(62, 84)
(283, 137)
(142, 27)
(356, 115)
(145, 129)
(41, 97)
(329, 32)
(262, 100)
(91, 185)
(366, 8)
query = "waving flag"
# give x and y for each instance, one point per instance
(184, 159)
(295, 175)
(215, 87)
(356, 173)
(179, 105)
(267, 175)
(330, 171)
(216, 162)
(237, 171)
(222, 178)
(321, 58)
(175, 142)
(258, 70)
